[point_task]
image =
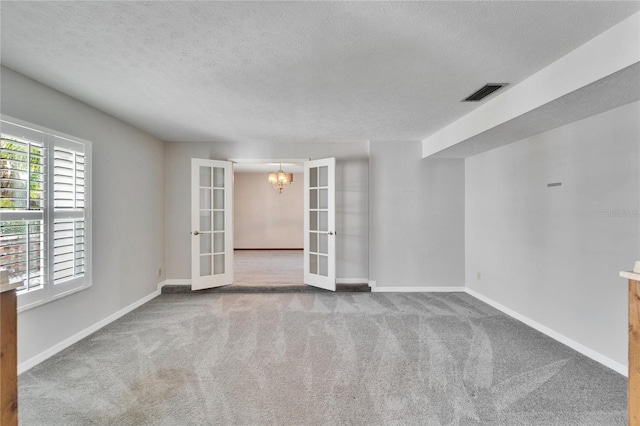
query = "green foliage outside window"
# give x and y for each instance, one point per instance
(21, 175)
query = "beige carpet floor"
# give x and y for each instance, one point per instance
(322, 358)
(268, 267)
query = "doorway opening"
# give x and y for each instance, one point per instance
(212, 219)
(268, 225)
(268, 268)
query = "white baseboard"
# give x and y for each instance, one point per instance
(417, 289)
(372, 284)
(32, 362)
(184, 281)
(596, 356)
(352, 280)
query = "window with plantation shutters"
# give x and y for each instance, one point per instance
(44, 223)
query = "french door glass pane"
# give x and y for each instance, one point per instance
(313, 263)
(324, 244)
(313, 221)
(218, 242)
(205, 176)
(218, 221)
(205, 243)
(218, 266)
(205, 220)
(205, 265)
(205, 198)
(218, 199)
(313, 242)
(218, 177)
(324, 198)
(313, 199)
(324, 176)
(324, 221)
(324, 265)
(313, 177)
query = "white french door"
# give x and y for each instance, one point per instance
(211, 223)
(320, 223)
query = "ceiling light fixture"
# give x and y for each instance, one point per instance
(280, 179)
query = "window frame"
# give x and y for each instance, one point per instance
(50, 290)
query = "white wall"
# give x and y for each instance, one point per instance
(416, 217)
(553, 254)
(264, 218)
(128, 212)
(351, 196)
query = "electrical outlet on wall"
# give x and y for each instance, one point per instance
(479, 275)
(159, 272)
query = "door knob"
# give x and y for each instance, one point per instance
(196, 233)
(330, 233)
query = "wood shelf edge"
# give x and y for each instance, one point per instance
(630, 275)
(9, 286)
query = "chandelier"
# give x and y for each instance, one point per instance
(280, 179)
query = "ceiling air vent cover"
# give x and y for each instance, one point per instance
(485, 91)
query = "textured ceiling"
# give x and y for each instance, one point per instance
(291, 71)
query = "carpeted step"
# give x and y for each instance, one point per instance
(348, 288)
